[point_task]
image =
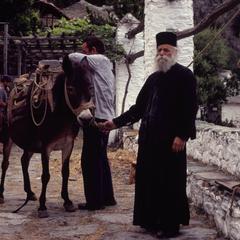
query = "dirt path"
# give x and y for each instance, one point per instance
(112, 223)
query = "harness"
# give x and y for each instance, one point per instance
(40, 85)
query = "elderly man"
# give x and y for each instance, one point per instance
(167, 106)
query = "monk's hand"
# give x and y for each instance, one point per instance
(178, 144)
(106, 126)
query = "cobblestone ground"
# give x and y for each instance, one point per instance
(111, 223)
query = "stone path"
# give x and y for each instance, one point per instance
(112, 223)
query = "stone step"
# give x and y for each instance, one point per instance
(212, 190)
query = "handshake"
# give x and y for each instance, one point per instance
(106, 126)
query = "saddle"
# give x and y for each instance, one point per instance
(32, 92)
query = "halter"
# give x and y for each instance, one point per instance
(81, 107)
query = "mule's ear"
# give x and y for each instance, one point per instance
(66, 64)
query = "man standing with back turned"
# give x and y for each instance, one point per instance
(96, 171)
(167, 106)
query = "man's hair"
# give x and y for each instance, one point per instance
(6, 78)
(93, 41)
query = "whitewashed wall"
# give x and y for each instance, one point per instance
(217, 145)
(137, 68)
(161, 15)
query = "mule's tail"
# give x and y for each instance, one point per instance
(30, 197)
(25, 203)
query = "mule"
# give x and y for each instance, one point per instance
(54, 126)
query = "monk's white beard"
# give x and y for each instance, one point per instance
(164, 63)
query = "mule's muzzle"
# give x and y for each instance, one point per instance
(86, 118)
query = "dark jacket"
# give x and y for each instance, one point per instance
(167, 105)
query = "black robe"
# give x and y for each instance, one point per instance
(167, 107)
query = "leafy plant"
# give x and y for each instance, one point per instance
(211, 90)
(21, 17)
(83, 28)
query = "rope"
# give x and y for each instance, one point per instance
(48, 75)
(44, 87)
(217, 34)
(34, 106)
(76, 111)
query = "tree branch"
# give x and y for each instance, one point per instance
(210, 18)
(140, 27)
(126, 87)
(130, 58)
(225, 7)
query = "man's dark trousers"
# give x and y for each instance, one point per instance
(96, 172)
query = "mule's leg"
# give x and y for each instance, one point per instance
(42, 210)
(27, 185)
(66, 153)
(5, 163)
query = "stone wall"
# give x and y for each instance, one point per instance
(207, 195)
(213, 159)
(217, 145)
(231, 112)
(219, 149)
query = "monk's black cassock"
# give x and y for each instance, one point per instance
(167, 106)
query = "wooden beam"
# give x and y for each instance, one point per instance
(19, 65)
(5, 49)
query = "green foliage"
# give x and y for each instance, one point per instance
(211, 90)
(20, 16)
(83, 28)
(233, 85)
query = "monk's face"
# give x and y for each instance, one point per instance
(166, 57)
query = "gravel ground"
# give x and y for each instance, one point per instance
(107, 224)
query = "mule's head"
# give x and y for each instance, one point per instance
(79, 92)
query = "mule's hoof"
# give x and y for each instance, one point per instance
(1, 200)
(32, 197)
(43, 214)
(69, 207)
